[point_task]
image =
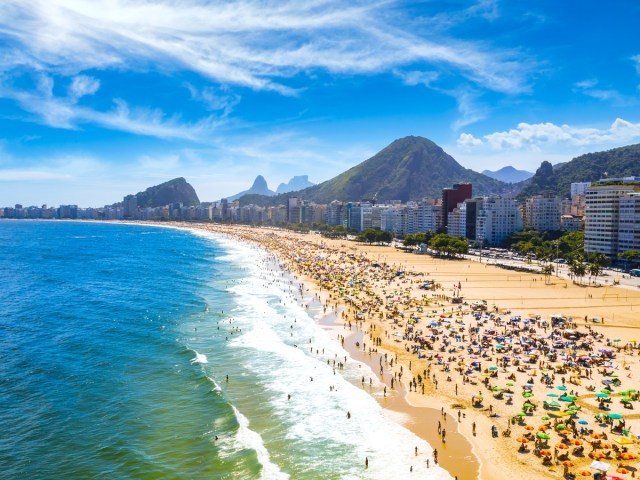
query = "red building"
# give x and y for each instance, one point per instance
(451, 197)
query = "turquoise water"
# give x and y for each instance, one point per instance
(116, 343)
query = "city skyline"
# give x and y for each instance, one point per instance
(103, 99)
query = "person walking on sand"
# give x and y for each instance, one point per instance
(444, 435)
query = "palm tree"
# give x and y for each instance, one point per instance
(595, 269)
(547, 271)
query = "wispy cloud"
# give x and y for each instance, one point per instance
(591, 88)
(64, 112)
(252, 44)
(539, 136)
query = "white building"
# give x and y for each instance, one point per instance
(607, 202)
(497, 218)
(578, 188)
(542, 212)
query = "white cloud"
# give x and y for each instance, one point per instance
(11, 175)
(64, 112)
(590, 88)
(253, 44)
(82, 85)
(636, 59)
(536, 137)
(468, 140)
(215, 99)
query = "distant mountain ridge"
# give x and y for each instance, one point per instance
(299, 182)
(177, 190)
(259, 187)
(508, 174)
(590, 167)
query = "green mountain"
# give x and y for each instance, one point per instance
(177, 190)
(410, 168)
(619, 162)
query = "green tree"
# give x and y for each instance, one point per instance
(547, 271)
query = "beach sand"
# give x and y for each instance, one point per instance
(507, 293)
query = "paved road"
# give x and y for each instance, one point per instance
(606, 278)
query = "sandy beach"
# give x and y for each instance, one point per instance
(516, 380)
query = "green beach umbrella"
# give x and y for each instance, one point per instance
(544, 436)
(615, 416)
(561, 426)
(616, 340)
(527, 394)
(626, 399)
(528, 405)
(509, 384)
(497, 389)
(546, 417)
(521, 414)
(554, 404)
(604, 390)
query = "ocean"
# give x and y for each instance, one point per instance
(141, 352)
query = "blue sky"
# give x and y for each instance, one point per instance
(103, 98)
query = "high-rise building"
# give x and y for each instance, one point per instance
(542, 212)
(607, 203)
(451, 197)
(578, 188)
(497, 218)
(130, 206)
(294, 210)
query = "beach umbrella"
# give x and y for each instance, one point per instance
(568, 463)
(622, 470)
(528, 405)
(523, 440)
(509, 384)
(545, 453)
(564, 432)
(561, 387)
(602, 395)
(554, 404)
(626, 399)
(585, 473)
(562, 446)
(493, 368)
(606, 445)
(596, 435)
(615, 416)
(527, 394)
(583, 422)
(542, 428)
(576, 442)
(546, 417)
(561, 426)
(627, 456)
(497, 389)
(543, 436)
(521, 414)
(606, 390)
(552, 395)
(616, 340)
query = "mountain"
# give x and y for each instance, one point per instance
(296, 183)
(410, 168)
(618, 162)
(259, 187)
(177, 190)
(508, 174)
